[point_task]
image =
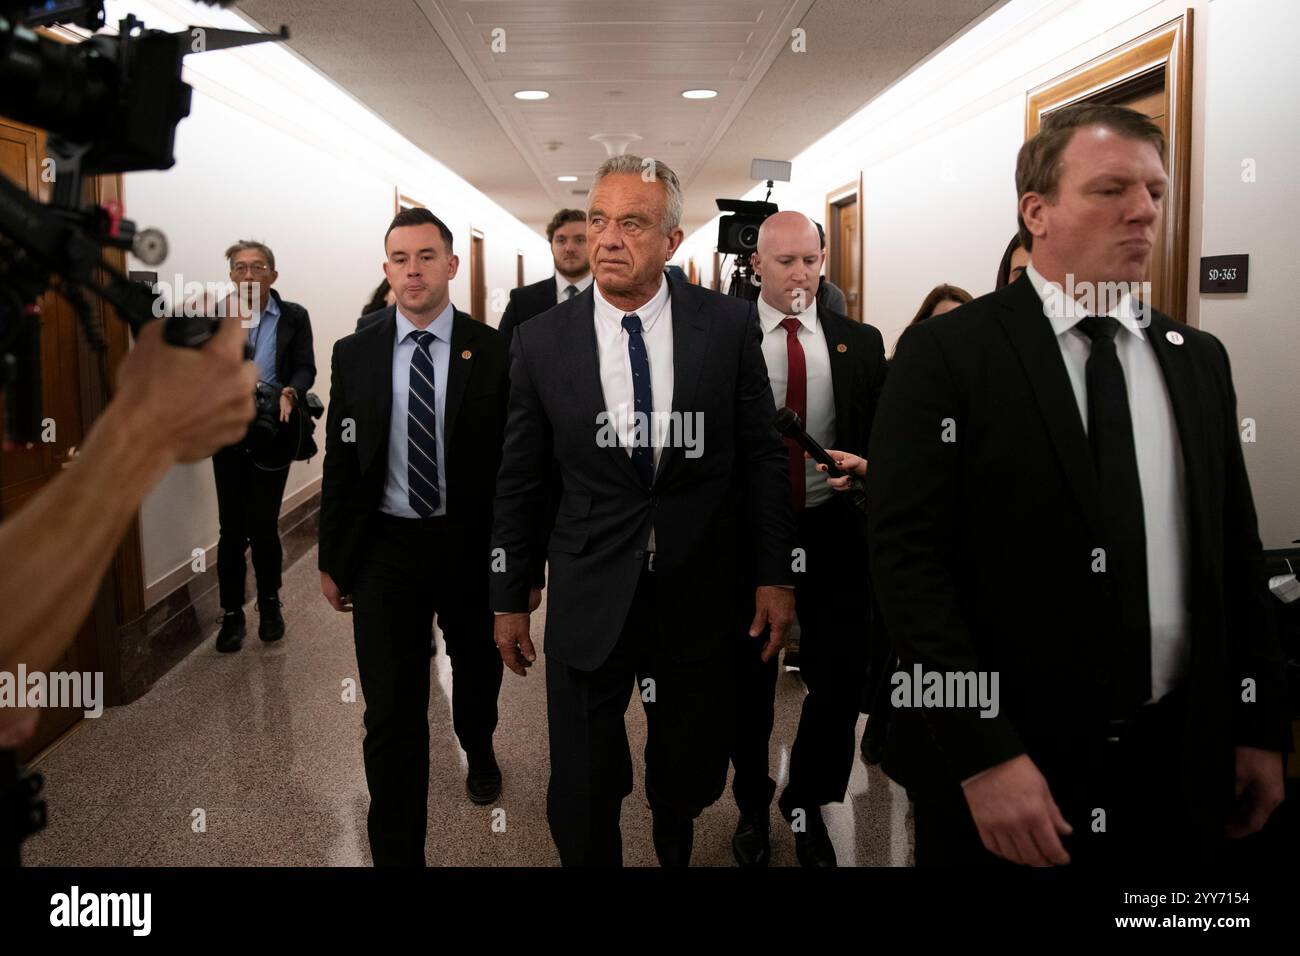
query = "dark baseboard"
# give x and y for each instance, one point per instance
(171, 628)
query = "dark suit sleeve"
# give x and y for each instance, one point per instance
(879, 367)
(521, 493)
(763, 456)
(913, 487)
(340, 472)
(1254, 648)
(510, 318)
(304, 356)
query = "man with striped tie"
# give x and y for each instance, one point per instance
(413, 440)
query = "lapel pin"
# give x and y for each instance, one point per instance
(1175, 338)
(466, 354)
(841, 347)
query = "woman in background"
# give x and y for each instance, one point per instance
(942, 298)
(1013, 263)
(382, 297)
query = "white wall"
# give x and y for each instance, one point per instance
(273, 151)
(1250, 61)
(937, 155)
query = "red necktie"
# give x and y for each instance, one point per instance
(796, 399)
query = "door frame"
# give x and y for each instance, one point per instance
(1169, 48)
(836, 199)
(477, 275)
(119, 600)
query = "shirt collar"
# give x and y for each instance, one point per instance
(271, 310)
(771, 317)
(440, 327)
(1065, 311)
(562, 283)
(606, 311)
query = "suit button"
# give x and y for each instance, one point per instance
(640, 555)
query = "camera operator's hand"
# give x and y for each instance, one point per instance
(172, 404)
(286, 404)
(190, 402)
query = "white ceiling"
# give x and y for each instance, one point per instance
(444, 73)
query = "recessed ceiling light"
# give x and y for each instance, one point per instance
(567, 179)
(696, 94)
(531, 94)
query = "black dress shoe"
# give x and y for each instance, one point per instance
(270, 625)
(752, 844)
(231, 636)
(873, 740)
(813, 847)
(673, 837)
(812, 844)
(483, 784)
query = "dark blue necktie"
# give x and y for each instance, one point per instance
(421, 427)
(643, 456)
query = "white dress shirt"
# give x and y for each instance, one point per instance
(1159, 462)
(396, 500)
(820, 423)
(616, 367)
(562, 283)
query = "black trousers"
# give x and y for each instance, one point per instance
(1134, 785)
(686, 706)
(409, 570)
(833, 601)
(248, 508)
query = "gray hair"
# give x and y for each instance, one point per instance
(243, 245)
(641, 167)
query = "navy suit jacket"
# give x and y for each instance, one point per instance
(527, 302)
(709, 512)
(356, 441)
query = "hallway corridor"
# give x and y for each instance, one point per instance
(260, 747)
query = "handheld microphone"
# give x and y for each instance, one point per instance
(789, 425)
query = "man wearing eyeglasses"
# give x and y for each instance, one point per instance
(248, 497)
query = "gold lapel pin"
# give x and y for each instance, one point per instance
(841, 347)
(466, 354)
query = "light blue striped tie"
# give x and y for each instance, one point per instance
(421, 427)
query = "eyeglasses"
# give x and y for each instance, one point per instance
(256, 268)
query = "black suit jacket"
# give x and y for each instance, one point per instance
(981, 552)
(857, 354)
(707, 511)
(295, 355)
(361, 390)
(525, 303)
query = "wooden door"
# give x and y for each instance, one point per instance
(844, 244)
(1152, 75)
(477, 279)
(26, 471)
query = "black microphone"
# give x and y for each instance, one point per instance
(789, 425)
